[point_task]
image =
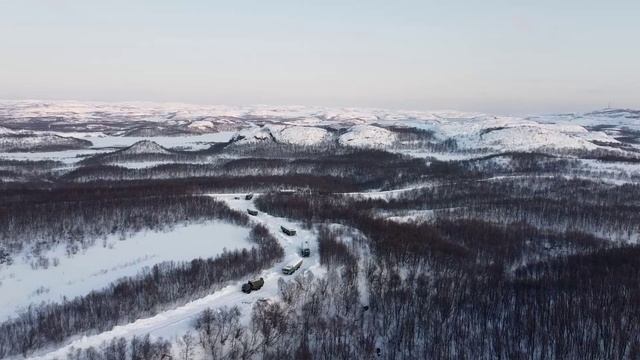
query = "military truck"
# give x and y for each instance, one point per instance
(288, 231)
(248, 197)
(252, 285)
(305, 251)
(291, 268)
(252, 212)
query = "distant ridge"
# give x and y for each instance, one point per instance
(144, 147)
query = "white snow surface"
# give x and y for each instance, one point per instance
(617, 118)
(301, 135)
(5, 131)
(109, 260)
(173, 323)
(516, 134)
(297, 135)
(367, 136)
(106, 143)
(191, 142)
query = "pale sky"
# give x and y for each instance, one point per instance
(481, 55)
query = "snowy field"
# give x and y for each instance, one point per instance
(106, 143)
(107, 261)
(190, 142)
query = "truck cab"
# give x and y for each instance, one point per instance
(252, 285)
(305, 251)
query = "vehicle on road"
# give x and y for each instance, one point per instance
(291, 268)
(305, 251)
(252, 212)
(252, 285)
(290, 232)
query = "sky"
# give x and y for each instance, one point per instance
(483, 55)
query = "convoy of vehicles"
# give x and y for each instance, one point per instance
(305, 251)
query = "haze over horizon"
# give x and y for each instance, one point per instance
(494, 56)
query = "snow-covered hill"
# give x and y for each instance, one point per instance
(308, 125)
(367, 136)
(357, 135)
(515, 134)
(144, 147)
(297, 135)
(5, 131)
(34, 142)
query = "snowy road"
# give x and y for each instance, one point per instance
(176, 322)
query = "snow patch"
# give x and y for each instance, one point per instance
(367, 136)
(297, 135)
(5, 131)
(301, 135)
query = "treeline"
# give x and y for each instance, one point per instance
(275, 150)
(79, 222)
(555, 203)
(138, 348)
(27, 170)
(36, 192)
(504, 164)
(117, 176)
(165, 284)
(361, 168)
(416, 243)
(410, 138)
(167, 155)
(627, 153)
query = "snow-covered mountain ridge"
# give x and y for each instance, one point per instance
(312, 125)
(144, 147)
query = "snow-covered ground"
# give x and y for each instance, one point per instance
(367, 136)
(146, 164)
(297, 135)
(188, 142)
(387, 194)
(107, 143)
(613, 118)
(175, 322)
(408, 215)
(109, 260)
(65, 156)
